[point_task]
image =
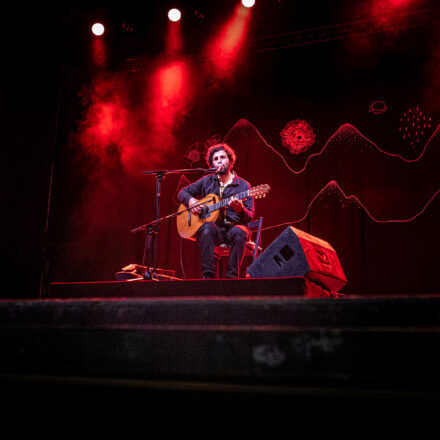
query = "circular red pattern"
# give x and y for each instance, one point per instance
(298, 136)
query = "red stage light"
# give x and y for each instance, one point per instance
(98, 29)
(174, 14)
(99, 53)
(248, 3)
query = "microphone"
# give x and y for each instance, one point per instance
(215, 170)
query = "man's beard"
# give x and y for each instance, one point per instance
(223, 171)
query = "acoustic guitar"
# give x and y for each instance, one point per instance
(188, 224)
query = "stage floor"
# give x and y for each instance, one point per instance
(291, 286)
(261, 337)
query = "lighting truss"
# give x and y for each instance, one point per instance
(426, 17)
(346, 30)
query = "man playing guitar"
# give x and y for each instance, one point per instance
(231, 226)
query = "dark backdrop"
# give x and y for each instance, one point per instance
(74, 189)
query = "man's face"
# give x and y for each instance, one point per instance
(221, 158)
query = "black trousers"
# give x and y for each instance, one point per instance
(211, 235)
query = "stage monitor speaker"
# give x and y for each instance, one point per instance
(296, 253)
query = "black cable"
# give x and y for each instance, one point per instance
(181, 259)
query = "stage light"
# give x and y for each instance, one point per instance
(173, 41)
(174, 14)
(98, 29)
(248, 3)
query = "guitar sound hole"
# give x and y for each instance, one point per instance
(204, 213)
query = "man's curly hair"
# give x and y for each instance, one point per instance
(217, 147)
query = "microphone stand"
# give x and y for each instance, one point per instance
(153, 227)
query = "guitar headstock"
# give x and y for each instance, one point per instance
(259, 191)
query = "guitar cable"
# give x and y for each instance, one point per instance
(181, 259)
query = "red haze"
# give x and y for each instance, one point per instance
(388, 13)
(224, 51)
(134, 116)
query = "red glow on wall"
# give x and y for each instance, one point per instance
(388, 12)
(130, 123)
(104, 122)
(171, 79)
(170, 92)
(399, 3)
(107, 123)
(168, 100)
(110, 131)
(224, 51)
(379, 7)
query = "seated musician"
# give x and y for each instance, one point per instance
(231, 227)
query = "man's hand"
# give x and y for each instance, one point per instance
(196, 210)
(236, 204)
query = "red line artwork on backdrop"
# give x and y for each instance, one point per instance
(344, 131)
(334, 185)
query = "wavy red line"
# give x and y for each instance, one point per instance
(343, 128)
(356, 199)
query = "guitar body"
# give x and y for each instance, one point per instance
(188, 224)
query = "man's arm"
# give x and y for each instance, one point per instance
(193, 190)
(248, 212)
(188, 195)
(244, 208)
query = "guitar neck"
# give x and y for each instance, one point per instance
(225, 202)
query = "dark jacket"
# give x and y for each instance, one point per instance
(210, 185)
